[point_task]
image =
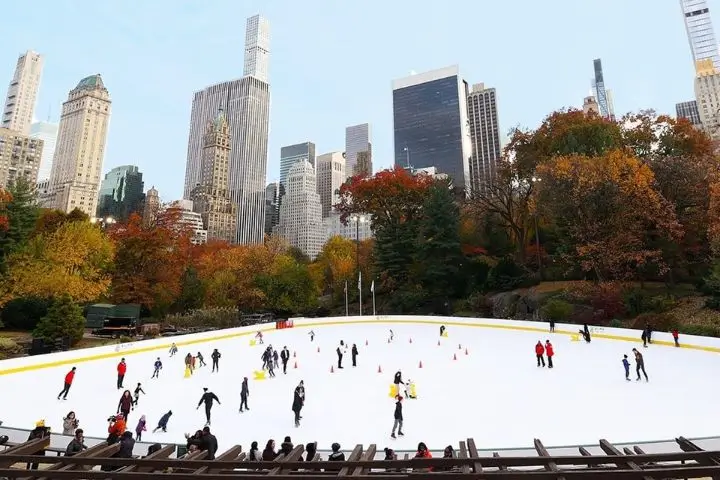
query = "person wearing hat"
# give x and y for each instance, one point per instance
(208, 398)
(40, 431)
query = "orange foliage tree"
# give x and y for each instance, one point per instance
(5, 198)
(607, 209)
(149, 262)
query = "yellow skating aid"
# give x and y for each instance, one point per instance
(259, 375)
(445, 334)
(575, 337)
(413, 391)
(253, 343)
(393, 391)
(188, 373)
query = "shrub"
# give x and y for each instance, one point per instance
(506, 275)
(556, 310)
(700, 330)
(658, 321)
(615, 323)
(9, 348)
(24, 313)
(213, 317)
(125, 339)
(64, 319)
(606, 301)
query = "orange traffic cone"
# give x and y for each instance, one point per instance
(411, 340)
(454, 356)
(295, 364)
(466, 352)
(379, 369)
(420, 366)
(438, 343)
(332, 369)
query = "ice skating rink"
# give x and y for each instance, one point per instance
(495, 394)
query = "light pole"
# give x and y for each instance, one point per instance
(537, 234)
(358, 219)
(407, 157)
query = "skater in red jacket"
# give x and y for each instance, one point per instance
(539, 351)
(676, 335)
(550, 352)
(68, 383)
(121, 369)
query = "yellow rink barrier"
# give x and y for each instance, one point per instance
(575, 337)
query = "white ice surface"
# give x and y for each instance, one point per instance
(495, 394)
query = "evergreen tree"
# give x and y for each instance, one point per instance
(22, 214)
(394, 251)
(192, 293)
(438, 252)
(64, 319)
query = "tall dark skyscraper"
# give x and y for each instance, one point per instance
(602, 95)
(484, 135)
(121, 193)
(431, 127)
(289, 156)
(688, 110)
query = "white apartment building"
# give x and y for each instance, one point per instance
(19, 157)
(301, 211)
(80, 148)
(330, 177)
(190, 219)
(707, 95)
(47, 132)
(359, 227)
(22, 93)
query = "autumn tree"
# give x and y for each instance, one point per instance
(336, 265)
(74, 260)
(50, 220)
(5, 199)
(606, 208)
(149, 263)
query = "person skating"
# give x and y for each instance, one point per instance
(162, 423)
(259, 338)
(189, 363)
(158, 367)
(121, 370)
(312, 335)
(539, 352)
(173, 349)
(125, 404)
(549, 351)
(276, 359)
(442, 330)
(392, 335)
(639, 365)
(397, 380)
(201, 359)
(138, 391)
(140, 428)
(643, 337)
(552, 325)
(271, 368)
(215, 360)
(409, 387)
(626, 366)
(341, 349)
(649, 332)
(285, 357)
(354, 354)
(585, 332)
(398, 416)
(69, 378)
(297, 405)
(676, 336)
(208, 398)
(266, 358)
(244, 394)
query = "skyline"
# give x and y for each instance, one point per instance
(313, 99)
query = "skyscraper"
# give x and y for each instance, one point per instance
(246, 105)
(47, 132)
(121, 193)
(80, 148)
(357, 142)
(700, 32)
(431, 125)
(22, 93)
(151, 208)
(19, 157)
(272, 212)
(604, 101)
(292, 154)
(211, 199)
(688, 110)
(484, 135)
(301, 212)
(330, 172)
(707, 93)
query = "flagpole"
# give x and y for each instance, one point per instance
(360, 290)
(373, 292)
(347, 307)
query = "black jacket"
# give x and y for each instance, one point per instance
(126, 447)
(244, 391)
(74, 447)
(398, 410)
(164, 420)
(208, 398)
(207, 443)
(285, 355)
(336, 457)
(297, 401)
(285, 448)
(268, 455)
(216, 355)
(354, 351)
(398, 379)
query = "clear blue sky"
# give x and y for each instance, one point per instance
(332, 62)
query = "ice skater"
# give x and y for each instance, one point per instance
(259, 338)
(140, 428)
(125, 404)
(626, 366)
(173, 349)
(162, 423)
(285, 357)
(398, 417)
(201, 359)
(266, 358)
(312, 335)
(276, 358)
(550, 352)
(121, 370)
(215, 360)
(244, 394)
(552, 325)
(158, 367)
(69, 377)
(340, 351)
(354, 354)
(648, 333)
(397, 381)
(410, 389)
(639, 365)
(442, 330)
(585, 332)
(208, 398)
(189, 363)
(392, 336)
(676, 336)
(298, 402)
(138, 391)
(539, 352)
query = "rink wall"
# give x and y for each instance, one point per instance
(24, 364)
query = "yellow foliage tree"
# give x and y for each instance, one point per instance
(73, 260)
(336, 265)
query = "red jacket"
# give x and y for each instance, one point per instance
(539, 349)
(70, 377)
(549, 349)
(122, 368)
(675, 334)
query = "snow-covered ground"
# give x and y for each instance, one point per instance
(494, 393)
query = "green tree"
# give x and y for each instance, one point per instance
(24, 313)
(22, 212)
(64, 319)
(438, 252)
(192, 292)
(556, 310)
(289, 288)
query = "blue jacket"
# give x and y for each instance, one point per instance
(158, 365)
(626, 364)
(164, 419)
